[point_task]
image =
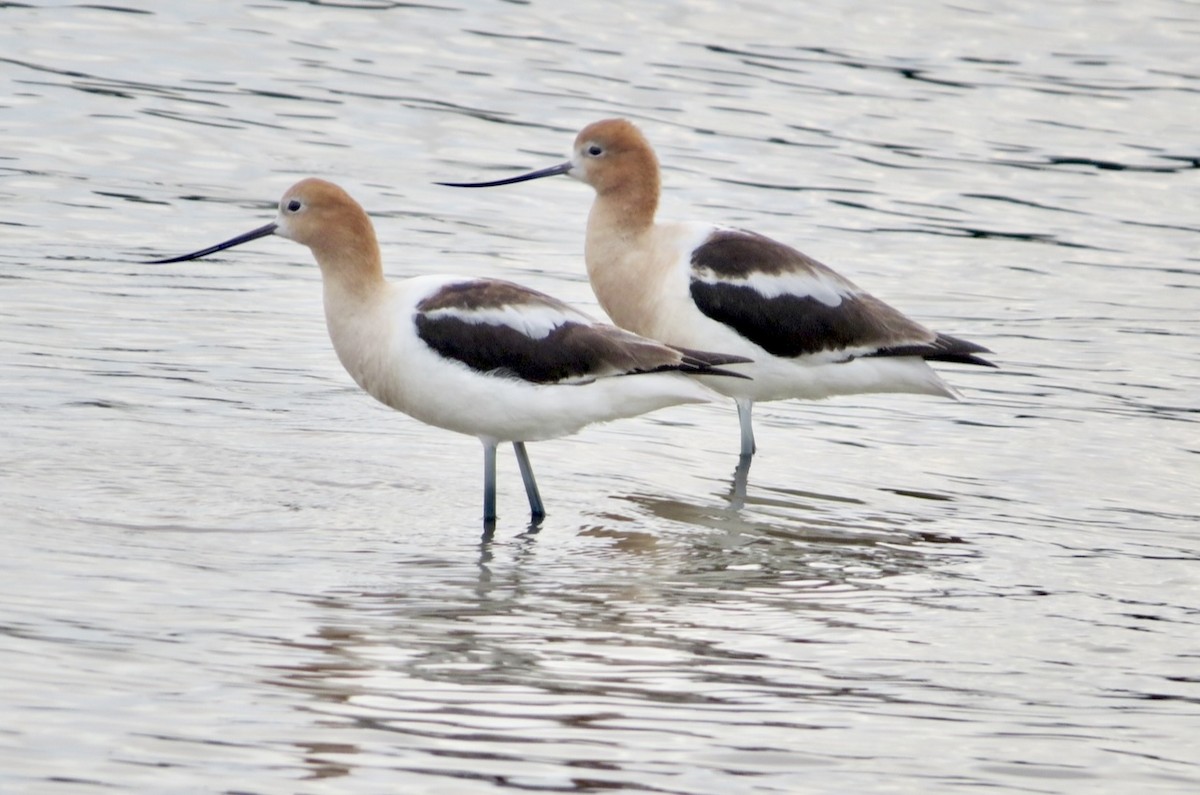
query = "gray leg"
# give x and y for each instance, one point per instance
(536, 510)
(744, 405)
(741, 475)
(489, 481)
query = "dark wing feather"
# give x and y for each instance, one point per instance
(731, 266)
(943, 349)
(473, 322)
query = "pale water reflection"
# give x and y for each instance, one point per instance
(225, 570)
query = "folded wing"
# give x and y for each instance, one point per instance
(793, 306)
(510, 331)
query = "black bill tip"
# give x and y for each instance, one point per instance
(561, 168)
(253, 234)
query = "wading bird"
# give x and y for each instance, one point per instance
(809, 332)
(484, 357)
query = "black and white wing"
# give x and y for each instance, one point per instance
(793, 306)
(504, 329)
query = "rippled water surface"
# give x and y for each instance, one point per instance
(226, 570)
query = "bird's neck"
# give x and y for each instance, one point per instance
(357, 298)
(350, 266)
(627, 206)
(618, 252)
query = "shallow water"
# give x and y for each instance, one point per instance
(228, 571)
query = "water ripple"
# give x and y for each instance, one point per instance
(205, 518)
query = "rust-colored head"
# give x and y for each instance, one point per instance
(322, 216)
(613, 156)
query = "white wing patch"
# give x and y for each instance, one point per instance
(535, 321)
(829, 290)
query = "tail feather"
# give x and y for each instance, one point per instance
(944, 348)
(708, 363)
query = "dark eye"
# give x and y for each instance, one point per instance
(293, 206)
(595, 150)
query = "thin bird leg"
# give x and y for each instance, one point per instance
(741, 476)
(489, 481)
(744, 405)
(537, 510)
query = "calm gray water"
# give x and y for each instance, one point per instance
(226, 570)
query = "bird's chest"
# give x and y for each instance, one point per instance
(643, 284)
(365, 340)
